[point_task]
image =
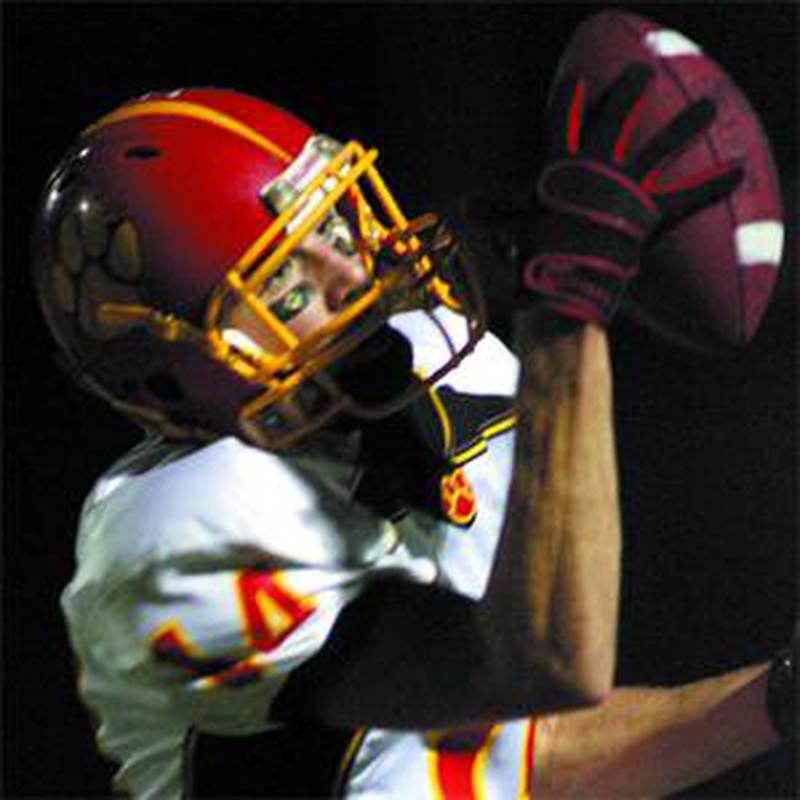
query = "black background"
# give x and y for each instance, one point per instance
(452, 95)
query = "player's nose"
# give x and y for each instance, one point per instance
(341, 277)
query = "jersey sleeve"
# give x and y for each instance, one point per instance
(203, 583)
(219, 644)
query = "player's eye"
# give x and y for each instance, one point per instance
(280, 277)
(337, 233)
(293, 302)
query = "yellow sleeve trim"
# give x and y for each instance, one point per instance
(348, 759)
(489, 432)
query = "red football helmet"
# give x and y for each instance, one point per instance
(176, 207)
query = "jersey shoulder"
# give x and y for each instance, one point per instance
(222, 502)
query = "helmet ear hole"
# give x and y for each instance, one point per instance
(165, 387)
(142, 152)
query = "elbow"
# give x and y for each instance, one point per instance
(585, 673)
(582, 665)
(546, 671)
(545, 691)
(592, 691)
(551, 681)
(576, 685)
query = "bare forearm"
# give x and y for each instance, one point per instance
(652, 742)
(563, 527)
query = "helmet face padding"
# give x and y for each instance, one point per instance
(174, 208)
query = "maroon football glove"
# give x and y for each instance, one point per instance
(601, 201)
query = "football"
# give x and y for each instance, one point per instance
(706, 281)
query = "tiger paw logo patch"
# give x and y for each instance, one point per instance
(458, 502)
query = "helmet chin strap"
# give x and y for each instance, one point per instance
(379, 369)
(404, 453)
(404, 460)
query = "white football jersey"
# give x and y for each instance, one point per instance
(207, 573)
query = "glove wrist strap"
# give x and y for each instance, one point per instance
(586, 288)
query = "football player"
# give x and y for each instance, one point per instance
(354, 508)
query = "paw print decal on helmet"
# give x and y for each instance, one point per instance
(96, 257)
